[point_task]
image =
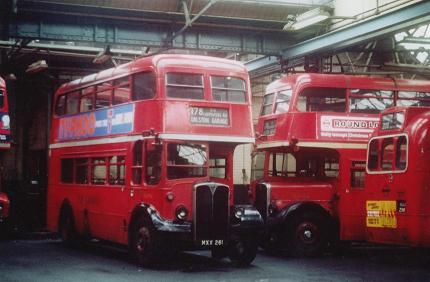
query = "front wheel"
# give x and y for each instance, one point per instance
(243, 250)
(143, 240)
(67, 228)
(307, 235)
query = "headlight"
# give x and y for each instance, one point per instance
(238, 213)
(181, 213)
(6, 121)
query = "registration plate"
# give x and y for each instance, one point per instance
(210, 243)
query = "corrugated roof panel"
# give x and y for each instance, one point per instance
(228, 9)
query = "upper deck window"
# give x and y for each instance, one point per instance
(186, 160)
(184, 86)
(60, 108)
(393, 121)
(103, 95)
(413, 99)
(87, 99)
(72, 103)
(226, 88)
(370, 101)
(322, 99)
(283, 101)
(121, 90)
(143, 86)
(266, 107)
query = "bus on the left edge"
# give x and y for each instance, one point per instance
(142, 155)
(4, 143)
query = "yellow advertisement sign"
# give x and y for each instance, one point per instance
(381, 214)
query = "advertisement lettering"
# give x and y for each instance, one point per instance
(347, 128)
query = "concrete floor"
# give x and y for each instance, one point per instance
(48, 260)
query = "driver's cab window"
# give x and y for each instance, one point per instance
(218, 167)
(282, 164)
(137, 163)
(257, 166)
(186, 160)
(322, 99)
(153, 163)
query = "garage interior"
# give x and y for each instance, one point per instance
(44, 43)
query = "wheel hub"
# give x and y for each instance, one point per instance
(307, 232)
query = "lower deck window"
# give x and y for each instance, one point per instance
(101, 170)
(67, 170)
(81, 171)
(98, 172)
(357, 174)
(217, 167)
(116, 170)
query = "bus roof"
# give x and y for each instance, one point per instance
(347, 81)
(156, 61)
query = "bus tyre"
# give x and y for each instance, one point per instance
(307, 235)
(143, 245)
(67, 228)
(242, 250)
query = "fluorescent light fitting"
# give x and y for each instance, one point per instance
(103, 56)
(37, 67)
(307, 19)
(310, 21)
(415, 46)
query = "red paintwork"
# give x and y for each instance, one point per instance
(4, 200)
(410, 186)
(4, 132)
(109, 207)
(300, 132)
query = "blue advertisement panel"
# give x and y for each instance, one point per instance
(103, 122)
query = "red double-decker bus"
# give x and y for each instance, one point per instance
(4, 117)
(142, 155)
(4, 143)
(397, 179)
(309, 166)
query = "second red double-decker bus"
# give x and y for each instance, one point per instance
(142, 155)
(397, 180)
(310, 160)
